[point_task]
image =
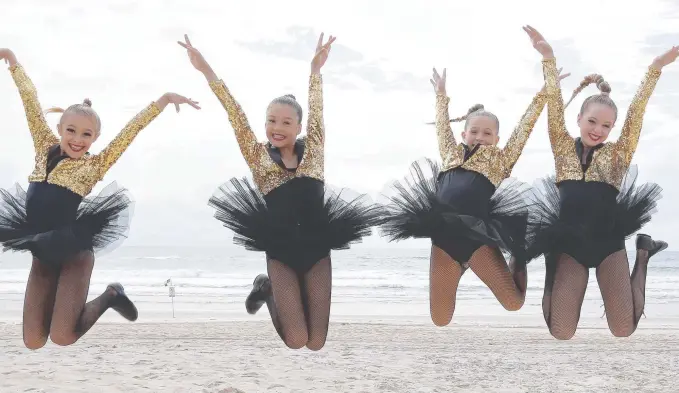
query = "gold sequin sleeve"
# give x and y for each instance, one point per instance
(247, 141)
(561, 141)
(444, 134)
(315, 128)
(631, 129)
(43, 137)
(122, 141)
(517, 141)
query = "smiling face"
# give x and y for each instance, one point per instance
(282, 125)
(596, 121)
(480, 130)
(78, 132)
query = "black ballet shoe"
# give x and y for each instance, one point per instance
(645, 242)
(122, 304)
(261, 290)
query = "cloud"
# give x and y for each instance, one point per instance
(347, 61)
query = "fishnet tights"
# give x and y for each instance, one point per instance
(623, 295)
(54, 304)
(300, 305)
(508, 286)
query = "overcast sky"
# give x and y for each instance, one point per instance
(123, 55)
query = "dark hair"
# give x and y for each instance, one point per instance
(82, 109)
(289, 99)
(474, 111)
(602, 98)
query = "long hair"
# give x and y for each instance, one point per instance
(602, 98)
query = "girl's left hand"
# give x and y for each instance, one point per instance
(322, 52)
(176, 99)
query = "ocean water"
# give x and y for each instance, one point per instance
(368, 282)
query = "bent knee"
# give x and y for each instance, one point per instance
(622, 331)
(296, 341)
(563, 333)
(34, 343)
(316, 344)
(513, 305)
(63, 338)
(441, 320)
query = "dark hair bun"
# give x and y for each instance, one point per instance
(477, 107)
(290, 96)
(87, 102)
(603, 87)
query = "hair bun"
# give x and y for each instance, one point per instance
(87, 102)
(290, 96)
(603, 87)
(477, 107)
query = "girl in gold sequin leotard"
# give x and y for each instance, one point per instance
(289, 214)
(469, 208)
(585, 213)
(59, 223)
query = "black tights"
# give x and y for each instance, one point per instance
(623, 295)
(508, 283)
(55, 302)
(300, 304)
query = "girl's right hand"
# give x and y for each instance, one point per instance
(8, 56)
(539, 42)
(439, 82)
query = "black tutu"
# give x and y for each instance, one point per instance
(340, 222)
(417, 212)
(101, 223)
(594, 230)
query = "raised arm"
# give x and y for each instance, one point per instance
(315, 130)
(517, 141)
(558, 134)
(631, 129)
(122, 141)
(247, 141)
(42, 135)
(444, 132)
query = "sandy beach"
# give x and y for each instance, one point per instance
(247, 356)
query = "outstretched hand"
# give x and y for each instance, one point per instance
(439, 82)
(666, 58)
(176, 99)
(8, 56)
(196, 58)
(321, 55)
(539, 42)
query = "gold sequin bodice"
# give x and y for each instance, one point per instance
(611, 161)
(266, 173)
(78, 175)
(491, 161)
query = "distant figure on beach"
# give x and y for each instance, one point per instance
(585, 213)
(469, 208)
(59, 223)
(289, 212)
